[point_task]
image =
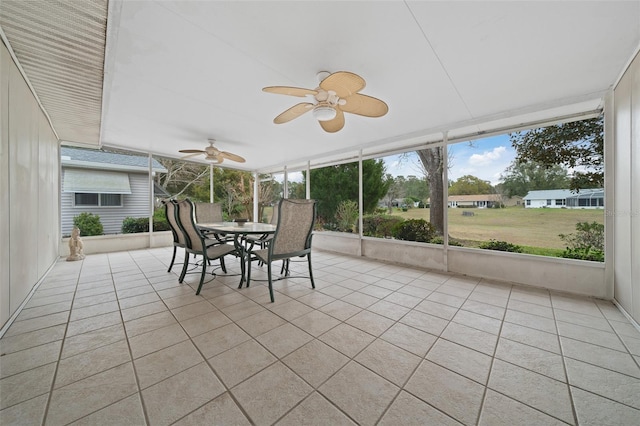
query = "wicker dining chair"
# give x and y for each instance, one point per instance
(292, 238)
(197, 243)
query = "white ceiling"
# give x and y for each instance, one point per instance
(180, 72)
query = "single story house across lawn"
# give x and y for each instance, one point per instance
(565, 198)
(478, 201)
(108, 184)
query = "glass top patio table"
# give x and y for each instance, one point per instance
(240, 229)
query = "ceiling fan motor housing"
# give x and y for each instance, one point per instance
(324, 112)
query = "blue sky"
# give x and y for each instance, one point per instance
(484, 158)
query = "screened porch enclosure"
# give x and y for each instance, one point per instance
(504, 335)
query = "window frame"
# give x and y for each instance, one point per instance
(100, 200)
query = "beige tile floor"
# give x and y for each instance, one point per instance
(115, 340)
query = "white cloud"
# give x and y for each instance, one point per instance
(487, 157)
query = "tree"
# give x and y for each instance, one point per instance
(334, 184)
(470, 185)
(297, 190)
(520, 178)
(181, 176)
(432, 160)
(394, 190)
(417, 188)
(575, 145)
(234, 188)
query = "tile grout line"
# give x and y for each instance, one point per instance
(130, 355)
(64, 336)
(141, 267)
(574, 412)
(133, 364)
(424, 357)
(493, 359)
(624, 344)
(206, 361)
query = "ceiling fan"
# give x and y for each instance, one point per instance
(336, 94)
(213, 154)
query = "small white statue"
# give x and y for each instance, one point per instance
(75, 245)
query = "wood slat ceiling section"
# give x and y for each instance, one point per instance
(60, 46)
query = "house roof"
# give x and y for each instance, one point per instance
(550, 194)
(97, 159)
(476, 197)
(588, 193)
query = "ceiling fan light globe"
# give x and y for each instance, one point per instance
(324, 113)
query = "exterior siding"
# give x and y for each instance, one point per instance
(135, 204)
(29, 186)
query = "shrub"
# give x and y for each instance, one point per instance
(160, 220)
(89, 224)
(587, 243)
(438, 239)
(134, 225)
(379, 225)
(414, 230)
(584, 254)
(346, 215)
(500, 246)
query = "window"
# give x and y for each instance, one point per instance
(296, 185)
(270, 192)
(97, 200)
(492, 166)
(397, 202)
(336, 190)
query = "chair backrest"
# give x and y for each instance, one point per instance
(208, 212)
(274, 214)
(185, 216)
(295, 225)
(170, 212)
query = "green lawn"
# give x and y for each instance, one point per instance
(516, 225)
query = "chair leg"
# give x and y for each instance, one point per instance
(222, 265)
(205, 262)
(285, 268)
(248, 269)
(243, 266)
(313, 285)
(184, 267)
(173, 258)
(270, 282)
